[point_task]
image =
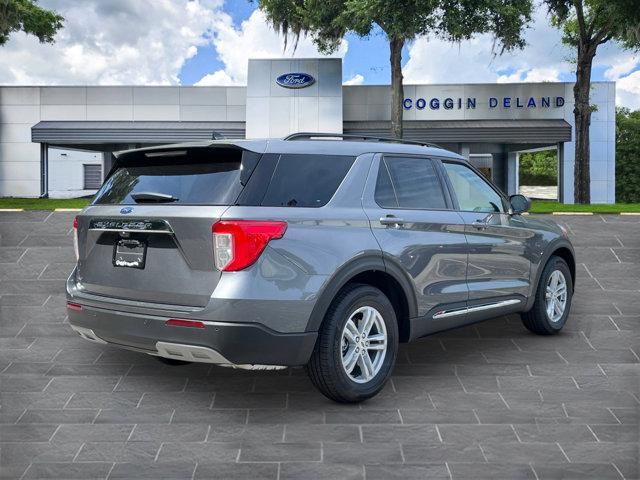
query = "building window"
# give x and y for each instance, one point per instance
(92, 176)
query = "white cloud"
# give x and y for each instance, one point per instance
(436, 61)
(114, 42)
(623, 64)
(621, 70)
(148, 42)
(531, 75)
(217, 78)
(545, 58)
(143, 42)
(255, 38)
(542, 74)
(628, 91)
(357, 79)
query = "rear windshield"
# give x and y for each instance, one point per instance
(205, 177)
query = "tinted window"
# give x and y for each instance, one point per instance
(473, 192)
(385, 196)
(305, 180)
(409, 183)
(208, 177)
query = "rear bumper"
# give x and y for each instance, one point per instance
(218, 342)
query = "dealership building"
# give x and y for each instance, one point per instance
(59, 141)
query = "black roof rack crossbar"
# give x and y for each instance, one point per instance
(347, 136)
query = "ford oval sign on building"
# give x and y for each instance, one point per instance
(295, 80)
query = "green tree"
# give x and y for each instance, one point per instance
(27, 16)
(587, 24)
(627, 156)
(327, 22)
(539, 168)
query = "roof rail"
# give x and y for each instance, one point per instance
(347, 136)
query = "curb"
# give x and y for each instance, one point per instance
(67, 210)
(571, 213)
(630, 213)
(11, 209)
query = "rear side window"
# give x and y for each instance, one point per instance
(385, 195)
(305, 180)
(411, 183)
(197, 177)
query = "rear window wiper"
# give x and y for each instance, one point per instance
(142, 197)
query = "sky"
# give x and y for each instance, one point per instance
(208, 42)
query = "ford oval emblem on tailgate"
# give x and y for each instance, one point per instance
(295, 80)
(126, 210)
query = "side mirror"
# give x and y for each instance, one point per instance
(518, 204)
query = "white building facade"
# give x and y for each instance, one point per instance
(58, 141)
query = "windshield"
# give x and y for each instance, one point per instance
(179, 179)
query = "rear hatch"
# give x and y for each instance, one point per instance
(147, 235)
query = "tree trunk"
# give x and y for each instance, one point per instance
(582, 114)
(397, 89)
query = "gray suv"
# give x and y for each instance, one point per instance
(322, 251)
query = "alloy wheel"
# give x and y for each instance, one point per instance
(363, 344)
(556, 296)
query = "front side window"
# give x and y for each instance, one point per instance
(473, 192)
(410, 183)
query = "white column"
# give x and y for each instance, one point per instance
(513, 162)
(465, 150)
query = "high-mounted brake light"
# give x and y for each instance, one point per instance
(75, 237)
(239, 243)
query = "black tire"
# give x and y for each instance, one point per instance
(173, 362)
(537, 320)
(325, 366)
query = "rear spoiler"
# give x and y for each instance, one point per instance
(188, 152)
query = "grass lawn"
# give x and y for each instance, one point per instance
(543, 206)
(43, 203)
(538, 206)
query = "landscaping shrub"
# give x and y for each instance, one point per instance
(539, 168)
(627, 156)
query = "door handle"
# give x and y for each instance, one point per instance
(482, 224)
(391, 220)
(479, 224)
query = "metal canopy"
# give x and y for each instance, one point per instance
(87, 133)
(472, 131)
(443, 131)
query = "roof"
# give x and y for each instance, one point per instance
(353, 147)
(309, 147)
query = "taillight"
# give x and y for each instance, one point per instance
(239, 243)
(75, 237)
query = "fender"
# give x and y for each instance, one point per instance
(366, 262)
(554, 245)
(394, 269)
